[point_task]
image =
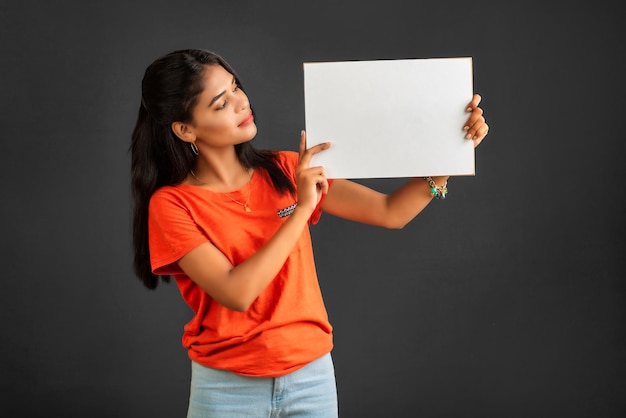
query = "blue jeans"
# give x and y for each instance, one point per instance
(308, 392)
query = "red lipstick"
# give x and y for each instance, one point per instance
(248, 120)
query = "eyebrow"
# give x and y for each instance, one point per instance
(216, 98)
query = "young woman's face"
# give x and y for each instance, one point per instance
(222, 115)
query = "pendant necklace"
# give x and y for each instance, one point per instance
(245, 205)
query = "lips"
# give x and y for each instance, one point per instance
(248, 120)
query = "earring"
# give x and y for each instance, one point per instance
(194, 148)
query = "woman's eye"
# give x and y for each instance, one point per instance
(235, 90)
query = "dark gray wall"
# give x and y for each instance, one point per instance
(507, 299)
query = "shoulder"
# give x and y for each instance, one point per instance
(287, 156)
(164, 193)
(167, 197)
(287, 160)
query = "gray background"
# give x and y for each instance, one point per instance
(505, 300)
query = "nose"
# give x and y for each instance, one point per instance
(245, 103)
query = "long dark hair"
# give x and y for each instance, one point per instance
(169, 92)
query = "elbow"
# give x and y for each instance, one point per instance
(237, 304)
(238, 308)
(232, 295)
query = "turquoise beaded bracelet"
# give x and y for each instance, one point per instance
(439, 192)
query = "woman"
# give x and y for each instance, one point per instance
(230, 224)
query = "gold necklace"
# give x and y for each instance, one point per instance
(245, 205)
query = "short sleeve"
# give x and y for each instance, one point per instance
(317, 213)
(172, 232)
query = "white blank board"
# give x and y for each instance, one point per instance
(390, 118)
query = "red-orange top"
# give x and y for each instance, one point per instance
(287, 326)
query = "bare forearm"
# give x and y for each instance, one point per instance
(408, 201)
(236, 287)
(248, 279)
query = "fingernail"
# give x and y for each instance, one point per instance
(468, 136)
(465, 128)
(469, 109)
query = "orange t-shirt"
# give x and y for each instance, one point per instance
(287, 326)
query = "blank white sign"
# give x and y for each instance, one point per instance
(390, 118)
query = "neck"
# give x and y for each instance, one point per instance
(220, 170)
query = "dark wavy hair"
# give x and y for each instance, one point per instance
(169, 91)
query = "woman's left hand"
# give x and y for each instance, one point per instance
(476, 128)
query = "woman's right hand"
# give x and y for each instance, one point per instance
(311, 181)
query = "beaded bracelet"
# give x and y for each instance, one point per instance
(439, 192)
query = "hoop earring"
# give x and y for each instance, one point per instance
(194, 148)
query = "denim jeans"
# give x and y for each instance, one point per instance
(308, 392)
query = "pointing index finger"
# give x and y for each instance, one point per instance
(307, 153)
(302, 144)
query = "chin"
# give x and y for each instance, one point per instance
(251, 136)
